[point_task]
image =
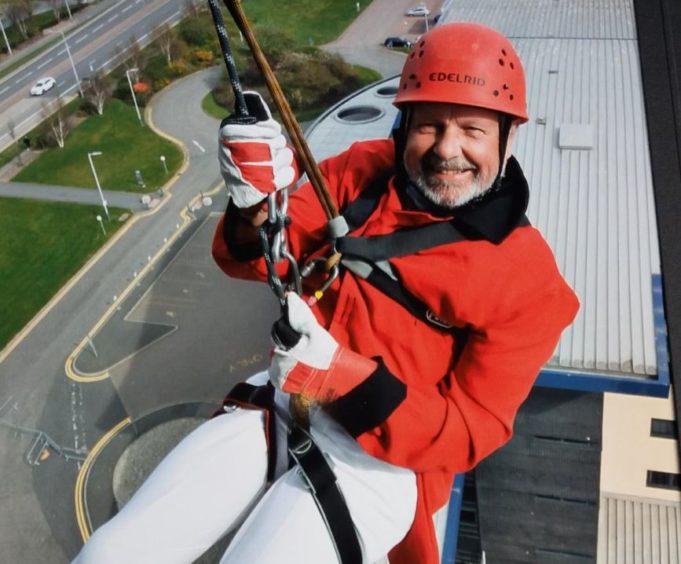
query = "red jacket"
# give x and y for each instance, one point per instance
(430, 416)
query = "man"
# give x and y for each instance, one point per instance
(417, 357)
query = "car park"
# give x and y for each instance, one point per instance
(392, 42)
(418, 10)
(43, 85)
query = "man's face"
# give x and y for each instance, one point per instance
(452, 151)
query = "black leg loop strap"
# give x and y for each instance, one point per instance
(321, 481)
(257, 397)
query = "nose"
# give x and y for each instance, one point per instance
(449, 143)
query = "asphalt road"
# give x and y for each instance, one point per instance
(94, 40)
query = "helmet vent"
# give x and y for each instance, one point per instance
(503, 52)
(496, 92)
(510, 97)
(511, 65)
(421, 53)
(501, 62)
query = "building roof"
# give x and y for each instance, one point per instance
(585, 154)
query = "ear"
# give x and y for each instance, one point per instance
(511, 138)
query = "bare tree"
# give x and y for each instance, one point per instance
(58, 121)
(55, 6)
(135, 55)
(166, 39)
(19, 13)
(193, 8)
(98, 89)
(12, 128)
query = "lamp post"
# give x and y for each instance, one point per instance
(99, 188)
(163, 162)
(2, 27)
(425, 17)
(101, 223)
(73, 66)
(132, 91)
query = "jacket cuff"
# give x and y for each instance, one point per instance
(241, 252)
(370, 403)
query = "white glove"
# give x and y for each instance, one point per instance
(317, 366)
(254, 159)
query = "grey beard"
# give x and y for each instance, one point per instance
(438, 192)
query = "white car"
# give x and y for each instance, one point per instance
(420, 10)
(43, 85)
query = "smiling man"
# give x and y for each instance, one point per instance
(416, 357)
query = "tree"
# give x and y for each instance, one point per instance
(12, 128)
(58, 121)
(98, 89)
(166, 39)
(135, 55)
(55, 6)
(19, 13)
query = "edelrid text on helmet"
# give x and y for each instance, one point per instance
(465, 63)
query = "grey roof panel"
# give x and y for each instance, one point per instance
(602, 19)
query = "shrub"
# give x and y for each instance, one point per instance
(203, 56)
(197, 31)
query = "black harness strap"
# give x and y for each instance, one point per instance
(256, 397)
(321, 481)
(314, 468)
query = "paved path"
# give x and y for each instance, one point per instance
(124, 200)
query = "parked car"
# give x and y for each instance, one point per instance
(418, 10)
(43, 85)
(391, 42)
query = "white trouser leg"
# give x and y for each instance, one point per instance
(287, 528)
(191, 499)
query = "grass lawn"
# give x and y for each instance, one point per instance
(43, 246)
(125, 145)
(310, 22)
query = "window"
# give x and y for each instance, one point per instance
(663, 428)
(664, 480)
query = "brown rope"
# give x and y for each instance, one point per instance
(307, 160)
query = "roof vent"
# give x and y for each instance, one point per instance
(387, 91)
(576, 136)
(359, 114)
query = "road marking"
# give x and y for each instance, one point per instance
(45, 63)
(198, 145)
(22, 78)
(96, 29)
(82, 38)
(82, 515)
(112, 18)
(5, 89)
(128, 7)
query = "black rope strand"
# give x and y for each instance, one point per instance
(240, 108)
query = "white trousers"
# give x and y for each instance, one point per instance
(216, 476)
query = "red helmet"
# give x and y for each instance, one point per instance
(465, 63)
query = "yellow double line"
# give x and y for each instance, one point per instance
(82, 516)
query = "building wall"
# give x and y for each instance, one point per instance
(629, 450)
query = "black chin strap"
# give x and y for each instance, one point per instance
(505, 123)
